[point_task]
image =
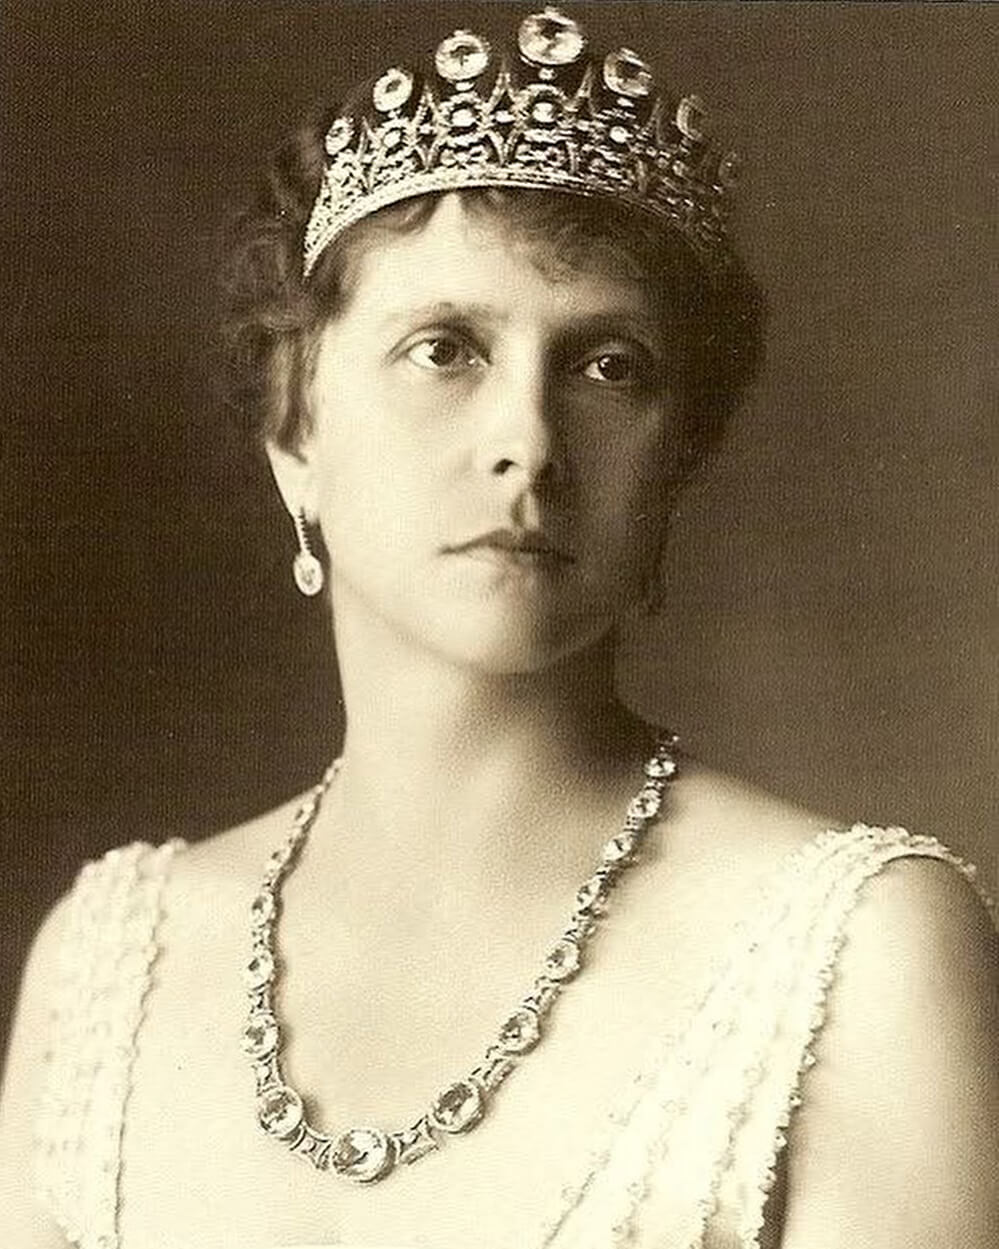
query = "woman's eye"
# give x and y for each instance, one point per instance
(441, 354)
(616, 368)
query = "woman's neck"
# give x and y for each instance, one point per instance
(480, 774)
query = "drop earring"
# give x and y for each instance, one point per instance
(307, 569)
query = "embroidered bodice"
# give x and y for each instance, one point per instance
(685, 1161)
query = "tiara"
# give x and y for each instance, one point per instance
(553, 118)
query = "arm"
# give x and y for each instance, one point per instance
(23, 1223)
(897, 1143)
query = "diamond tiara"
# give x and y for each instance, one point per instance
(552, 118)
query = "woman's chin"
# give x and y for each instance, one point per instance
(505, 643)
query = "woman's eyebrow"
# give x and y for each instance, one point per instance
(444, 310)
(606, 320)
(611, 321)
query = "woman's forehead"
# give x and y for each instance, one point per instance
(488, 263)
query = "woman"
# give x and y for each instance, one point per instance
(489, 322)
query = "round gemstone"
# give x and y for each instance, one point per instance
(620, 847)
(259, 970)
(627, 74)
(545, 111)
(463, 118)
(362, 1154)
(392, 90)
(618, 135)
(262, 909)
(692, 118)
(660, 768)
(280, 1111)
(550, 38)
(458, 1108)
(462, 56)
(521, 1031)
(564, 960)
(308, 573)
(260, 1036)
(645, 804)
(339, 135)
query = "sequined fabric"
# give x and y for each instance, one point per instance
(686, 1160)
(104, 976)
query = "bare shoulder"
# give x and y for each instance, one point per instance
(718, 848)
(736, 832)
(225, 865)
(896, 1141)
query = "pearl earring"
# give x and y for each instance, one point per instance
(307, 569)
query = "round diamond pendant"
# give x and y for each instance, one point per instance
(308, 573)
(362, 1154)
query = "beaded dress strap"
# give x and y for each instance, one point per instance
(861, 853)
(107, 953)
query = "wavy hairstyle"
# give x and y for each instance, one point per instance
(271, 316)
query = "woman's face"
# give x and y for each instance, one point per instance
(492, 445)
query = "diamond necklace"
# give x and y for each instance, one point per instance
(366, 1154)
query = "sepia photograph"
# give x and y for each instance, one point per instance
(499, 644)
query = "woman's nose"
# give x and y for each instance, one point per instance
(516, 438)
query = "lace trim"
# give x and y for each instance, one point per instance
(874, 849)
(107, 954)
(704, 1146)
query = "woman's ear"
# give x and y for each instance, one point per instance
(291, 447)
(294, 473)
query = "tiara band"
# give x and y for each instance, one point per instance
(552, 119)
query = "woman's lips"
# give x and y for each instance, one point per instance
(518, 548)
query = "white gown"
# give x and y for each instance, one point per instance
(685, 1162)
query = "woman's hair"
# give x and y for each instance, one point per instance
(271, 316)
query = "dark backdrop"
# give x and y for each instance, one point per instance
(830, 630)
